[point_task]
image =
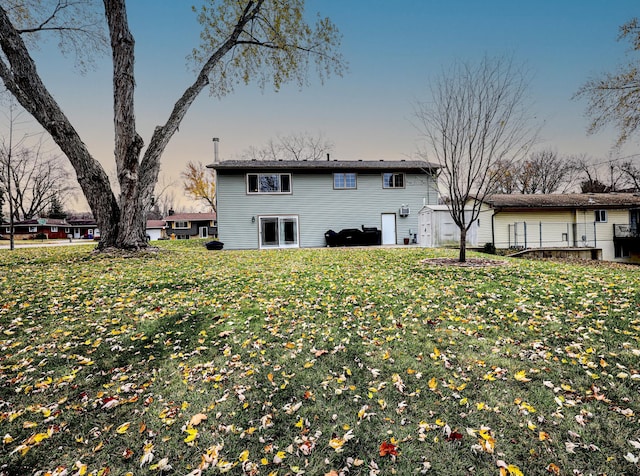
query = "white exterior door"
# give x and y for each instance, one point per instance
(389, 229)
(204, 232)
(426, 228)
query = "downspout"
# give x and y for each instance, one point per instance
(493, 227)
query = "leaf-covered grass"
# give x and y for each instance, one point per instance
(329, 361)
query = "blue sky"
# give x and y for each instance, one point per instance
(393, 49)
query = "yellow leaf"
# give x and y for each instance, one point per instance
(521, 376)
(300, 423)
(433, 383)
(192, 434)
(244, 456)
(514, 470)
(123, 428)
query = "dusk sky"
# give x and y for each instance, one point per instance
(393, 50)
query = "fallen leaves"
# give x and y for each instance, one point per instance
(317, 363)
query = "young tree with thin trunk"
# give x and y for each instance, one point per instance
(478, 117)
(242, 40)
(200, 183)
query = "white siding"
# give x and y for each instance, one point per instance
(318, 206)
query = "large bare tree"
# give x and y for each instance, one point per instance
(295, 146)
(543, 171)
(478, 116)
(32, 179)
(242, 40)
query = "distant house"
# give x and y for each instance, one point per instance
(53, 228)
(50, 228)
(291, 204)
(191, 225)
(604, 224)
(156, 229)
(83, 228)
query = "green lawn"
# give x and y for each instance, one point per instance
(330, 361)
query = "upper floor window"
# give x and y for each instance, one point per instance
(601, 216)
(54, 229)
(268, 183)
(181, 224)
(33, 229)
(344, 180)
(393, 180)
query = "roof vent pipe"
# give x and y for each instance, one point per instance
(216, 141)
(328, 157)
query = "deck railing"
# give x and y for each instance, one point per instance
(626, 231)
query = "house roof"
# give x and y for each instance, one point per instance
(565, 200)
(155, 224)
(79, 222)
(324, 165)
(42, 222)
(190, 217)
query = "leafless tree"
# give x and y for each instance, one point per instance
(264, 40)
(297, 146)
(632, 174)
(599, 176)
(478, 116)
(614, 98)
(543, 171)
(35, 180)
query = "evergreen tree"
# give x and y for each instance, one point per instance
(56, 209)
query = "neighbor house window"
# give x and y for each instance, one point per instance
(344, 180)
(392, 180)
(268, 183)
(621, 251)
(54, 229)
(67, 230)
(33, 229)
(7, 230)
(181, 224)
(601, 216)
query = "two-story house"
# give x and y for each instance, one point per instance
(190, 225)
(291, 204)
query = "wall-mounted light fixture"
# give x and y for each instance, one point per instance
(253, 219)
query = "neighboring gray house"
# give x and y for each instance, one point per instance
(183, 226)
(291, 204)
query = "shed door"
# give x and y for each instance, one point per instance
(389, 229)
(425, 223)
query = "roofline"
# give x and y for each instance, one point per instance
(583, 201)
(324, 165)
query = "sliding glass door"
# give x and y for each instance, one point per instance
(279, 232)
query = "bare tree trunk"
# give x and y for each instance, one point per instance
(463, 245)
(128, 143)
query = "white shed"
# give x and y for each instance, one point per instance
(437, 228)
